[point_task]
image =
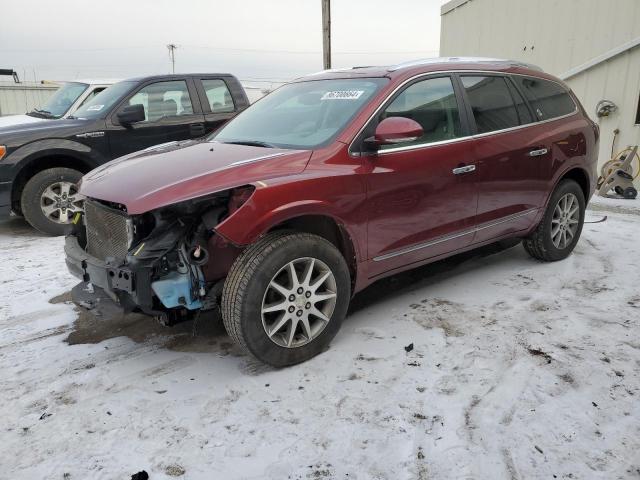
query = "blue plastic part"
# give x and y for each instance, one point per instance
(174, 290)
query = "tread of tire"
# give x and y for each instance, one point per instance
(534, 243)
(240, 273)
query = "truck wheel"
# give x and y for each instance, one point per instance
(558, 232)
(285, 297)
(50, 199)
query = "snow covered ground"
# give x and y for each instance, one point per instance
(519, 370)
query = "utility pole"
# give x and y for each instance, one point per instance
(326, 33)
(172, 47)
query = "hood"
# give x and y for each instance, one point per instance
(176, 172)
(11, 120)
(18, 134)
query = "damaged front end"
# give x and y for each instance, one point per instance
(168, 263)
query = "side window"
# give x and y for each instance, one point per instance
(431, 103)
(523, 111)
(218, 96)
(92, 94)
(548, 99)
(491, 102)
(164, 99)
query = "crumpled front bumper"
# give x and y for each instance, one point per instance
(83, 265)
(129, 288)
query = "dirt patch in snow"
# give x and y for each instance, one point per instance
(205, 334)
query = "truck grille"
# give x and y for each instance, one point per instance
(108, 232)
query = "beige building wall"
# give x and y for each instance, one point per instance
(560, 36)
(19, 98)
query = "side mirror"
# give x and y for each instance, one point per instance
(395, 130)
(131, 114)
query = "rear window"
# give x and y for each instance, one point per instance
(548, 99)
(218, 96)
(491, 102)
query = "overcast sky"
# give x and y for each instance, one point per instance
(254, 39)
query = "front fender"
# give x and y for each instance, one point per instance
(268, 207)
(54, 147)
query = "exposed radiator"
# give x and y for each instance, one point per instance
(109, 232)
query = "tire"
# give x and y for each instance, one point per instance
(248, 291)
(545, 243)
(630, 193)
(38, 195)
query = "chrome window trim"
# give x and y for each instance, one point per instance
(431, 243)
(453, 140)
(406, 148)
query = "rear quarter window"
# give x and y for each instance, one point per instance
(548, 99)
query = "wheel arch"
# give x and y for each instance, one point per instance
(34, 165)
(329, 228)
(581, 177)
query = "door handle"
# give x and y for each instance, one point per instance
(465, 169)
(538, 152)
(197, 129)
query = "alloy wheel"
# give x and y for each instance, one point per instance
(565, 221)
(60, 201)
(299, 302)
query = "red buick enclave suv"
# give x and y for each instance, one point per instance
(330, 183)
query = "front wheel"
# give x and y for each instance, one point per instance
(559, 231)
(50, 199)
(285, 297)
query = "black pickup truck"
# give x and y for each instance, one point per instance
(41, 163)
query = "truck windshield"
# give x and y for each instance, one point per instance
(303, 115)
(59, 103)
(99, 106)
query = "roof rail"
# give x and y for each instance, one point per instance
(430, 61)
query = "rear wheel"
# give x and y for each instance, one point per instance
(50, 199)
(559, 231)
(285, 297)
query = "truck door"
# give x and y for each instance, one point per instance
(171, 113)
(218, 103)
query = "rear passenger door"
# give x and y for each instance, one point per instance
(170, 114)
(564, 138)
(507, 153)
(218, 103)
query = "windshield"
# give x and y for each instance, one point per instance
(100, 105)
(303, 115)
(59, 103)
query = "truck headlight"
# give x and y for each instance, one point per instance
(3, 151)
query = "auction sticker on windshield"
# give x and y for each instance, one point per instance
(343, 95)
(95, 108)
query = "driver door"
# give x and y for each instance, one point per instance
(170, 114)
(422, 202)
